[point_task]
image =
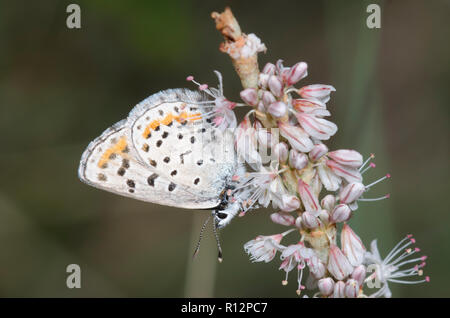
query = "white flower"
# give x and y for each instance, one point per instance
(390, 269)
(338, 264)
(263, 186)
(295, 256)
(264, 248)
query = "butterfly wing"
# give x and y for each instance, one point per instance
(171, 133)
(111, 163)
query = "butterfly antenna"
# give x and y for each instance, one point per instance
(197, 248)
(219, 256)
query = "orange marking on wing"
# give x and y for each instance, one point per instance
(116, 148)
(168, 119)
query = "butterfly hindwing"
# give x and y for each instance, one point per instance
(111, 163)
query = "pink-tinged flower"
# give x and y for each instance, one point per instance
(310, 220)
(282, 218)
(246, 144)
(330, 180)
(265, 138)
(295, 256)
(351, 288)
(296, 73)
(297, 160)
(349, 174)
(309, 199)
(289, 203)
(318, 152)
(392, 268)
(317, 91)
(281, 152)
(351, 192)
(352, 246)
(347, 157)
(275, 85)
(310, 107)
(269, 69)
(250, 96)
(263, 80)
(340, 213)
(316, 267)
(359, 274)
(324, 216)
(338, 264)
(264, 248)
(326, 286)
(220, 110)
(319, 128)
(339, 290)
(328, 202)
(268, 98)
(260, 187)
(298, 139)
(277, 109)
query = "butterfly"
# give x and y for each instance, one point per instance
(170, 150)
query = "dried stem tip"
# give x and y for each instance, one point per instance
(227, 25)
(243, 49)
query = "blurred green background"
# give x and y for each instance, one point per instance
(60, 88)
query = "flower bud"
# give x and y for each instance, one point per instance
(261, 107)
(281, 152)
(275, 86)
(311, 107)
(249, 96)
(349, 174)
(339, 290)
(317, 91)
(262, 80)
(282, 218)
(309, 200)
(326, 286)
(297, 160)
(316, 267)
(328, 202)
(296, 136)
(351, 192)
(268, 98)
(347, 157)
(298, 222)
(351, 288)
(318, 152)
(309, 220)
(352, 246)
(269, 69)
(277, 109)
(324, 216)
(289, 203)
(338, 264)
(359, 274)
(264, 138)
(318, 128)
(296, 73)
(340, 213)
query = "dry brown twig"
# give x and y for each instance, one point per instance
(242, 48)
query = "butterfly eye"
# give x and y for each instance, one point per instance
(221, 215)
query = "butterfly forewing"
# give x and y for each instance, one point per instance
(173, 135)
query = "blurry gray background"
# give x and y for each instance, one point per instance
(60, 88)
